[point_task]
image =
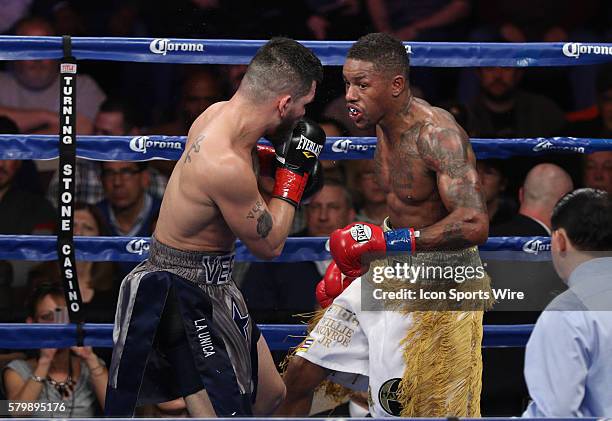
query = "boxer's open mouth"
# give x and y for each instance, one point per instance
(354, 112)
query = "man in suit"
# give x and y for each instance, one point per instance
(544, 185)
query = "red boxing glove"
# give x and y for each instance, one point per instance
(332, 285)
(267, 159)
(349, 244)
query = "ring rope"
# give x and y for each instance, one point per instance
(143, 148)
(331, 53)
(279, 337)
(297, 249)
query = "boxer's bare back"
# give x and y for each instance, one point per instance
(218, 155)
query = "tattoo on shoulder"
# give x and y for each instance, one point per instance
(264, 224)
(194, 148)
(445, 150)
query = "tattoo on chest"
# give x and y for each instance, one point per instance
(403, 165)
(194, 148)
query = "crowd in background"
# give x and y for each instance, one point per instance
(123, 198)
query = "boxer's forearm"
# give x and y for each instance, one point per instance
(273, 226)
(460, 229)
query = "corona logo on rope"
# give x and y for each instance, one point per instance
(346, 145)
(137, 246)
(164, 45)
(575, 49)
(547, 145)
(141, 143)
(535, 246)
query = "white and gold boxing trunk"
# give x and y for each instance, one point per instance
(414, 360)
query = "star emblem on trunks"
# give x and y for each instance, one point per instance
(241, 320)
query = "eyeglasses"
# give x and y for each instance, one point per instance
(123, 173)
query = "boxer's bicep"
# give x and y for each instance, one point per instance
(448, 153)
(236, 194)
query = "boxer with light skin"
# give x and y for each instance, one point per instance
(217, 358)
(426, 166)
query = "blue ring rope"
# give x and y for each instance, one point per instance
(331, 53)
(143, 148)
(297, 249)
(278, 337)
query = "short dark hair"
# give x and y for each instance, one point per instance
(40, 292)
(386, 52)
(586, 216)
(282, 65)
(115, 105)
(8, 126)
(348, 197)
(98, 216)
(33, 20)
(142, 165)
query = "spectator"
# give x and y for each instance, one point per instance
(597, 171)
(494, 181)
(73, 377)
(413, 20)
(504, 110)
(114, 119)
(12, 12)
(337, 19)
(22, 212)
(127, 208)
(370, 198)
(27, 177)
(600, 122)
(333, 169)
(544, 185)
(568, 368)
(200, 90)
(98, 281)
(541, 21)
(276, 291)
(29, 91)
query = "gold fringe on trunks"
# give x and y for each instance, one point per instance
(443, 365)
(442, 348)
(332, 390)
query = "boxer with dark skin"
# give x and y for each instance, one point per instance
(213, 198)
(426, 166)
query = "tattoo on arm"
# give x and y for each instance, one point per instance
(195, 147)
(264, 224)
(257, 207)
(447, 152)
(264, 221)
